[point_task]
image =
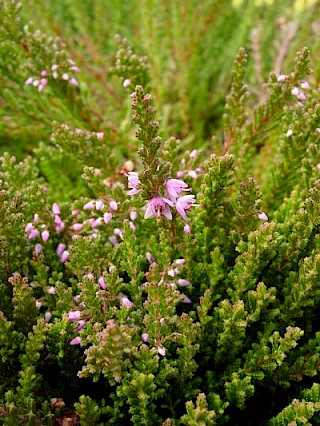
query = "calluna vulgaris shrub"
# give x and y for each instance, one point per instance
(145, 279)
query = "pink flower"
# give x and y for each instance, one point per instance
(126, 82)
(99, 205)
(102, 283)
(38, 248)
(107, 217)
(74, 316)
(187, 229)
(174, 187)
(52, 290)
(113, 205)
(77, 227)
(183, 283)
(60, 249)
(76, 341)
(133, 215)
(133, 182)
(64, 256)
(34, 233)
(100, 135)
(161, 350)
(183, 204)
(56, 209)
(45, 235)
(157, 206)
(74, 82)
(145, 337)
(91, 205)
(126, 302)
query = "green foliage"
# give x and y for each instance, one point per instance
(124, 296)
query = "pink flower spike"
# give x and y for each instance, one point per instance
(102, 283)
(183, 204)
(74, 316)
(60, 249)
(133, 183)
(75, 341)
(107, 217)
(113, 205)
(91, 205)
(55, 209)
(157, 206)
(45, 235)
(174, 187)
(126, 302)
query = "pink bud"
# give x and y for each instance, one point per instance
(74, 82)
(145, 337)
(60, 249)
(193, 174)
(77, 227)
(28, 228)
(74, 316)
(132, 226)
(99, 205)
(187, 229)
(38, 248)
(133, 215)
(54, 67)
(186, 299)
(75, 212)
(76, 341)
(100, 135)
(161, 350)
(29, 81)
(126, 302)
(45, 235)
(126, 82)
(173, 272)
(65, 76)
(263, 216)
(34, 233)
(38, 304)
(161, 321)
(113, 239)
(97, 222)
(183, 283)
(305, 85)
(107, 217)
(44, 73)
(180, 261)
(36, 217)
(52, 290)
(281, 78)
(193, 153)
(81, 324)
(47, 316)
(149, 257)
(90, 206)
(64, 257)
(102, 283)
(55, 209)
(113, 205)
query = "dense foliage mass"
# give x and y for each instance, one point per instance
(159, 213)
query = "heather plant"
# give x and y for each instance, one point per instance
(157, 272)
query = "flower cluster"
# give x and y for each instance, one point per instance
(41, 81)
(161, 205)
